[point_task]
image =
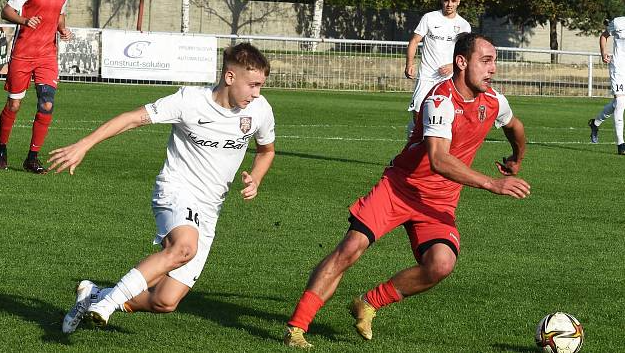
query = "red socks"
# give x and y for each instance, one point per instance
(382, 295)
(306, 310)
(6, 124)
(40, 130)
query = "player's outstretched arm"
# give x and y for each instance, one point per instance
(515, 133)
(262, 162)
(71, 156)
(450, 167)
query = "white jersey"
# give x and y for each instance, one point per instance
(616, 28)
(439, 38)
(208, 142)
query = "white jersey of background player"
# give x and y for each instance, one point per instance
(616, 29)
(438, 30)
(211, 128)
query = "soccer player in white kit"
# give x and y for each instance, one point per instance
(438, 30)
(616, 61)
(211, 129)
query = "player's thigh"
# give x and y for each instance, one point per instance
(379, 212)
(421, 90)
(47, 72)
(18, 78)
(181, 218)
(427, 231)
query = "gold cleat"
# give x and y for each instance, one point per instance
(294, 337)
(364, 315)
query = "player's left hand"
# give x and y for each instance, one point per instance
(445, 70)
(66, 34)
(251, 188)
(509, 166)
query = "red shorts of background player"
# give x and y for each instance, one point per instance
(386, 207)
(44, 71)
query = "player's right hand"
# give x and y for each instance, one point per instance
(409, 72)
(33, 22)
(607, 58)
(66, 157)
(510, 186)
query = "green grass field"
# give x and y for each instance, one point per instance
(558, 250)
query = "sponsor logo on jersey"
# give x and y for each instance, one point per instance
(482, 112)
(154, 108)
(239, 143)
(245, 124)
(200, 121)
(438, 100)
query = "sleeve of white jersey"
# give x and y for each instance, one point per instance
(467, 27)
(422, 27)
(505, 112)
(16, 4)
(266, 133)
(64, 8)
(438, 116)
(167, 109)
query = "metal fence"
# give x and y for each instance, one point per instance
(365, 65)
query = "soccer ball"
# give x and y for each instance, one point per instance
(559, 333)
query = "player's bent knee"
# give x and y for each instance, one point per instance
(45, 98)
(160, 306)
(14, 105)
(180, 255)
(440, 270)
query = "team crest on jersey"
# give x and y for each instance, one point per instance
(245, 123)
(457, 29)
(482, 113)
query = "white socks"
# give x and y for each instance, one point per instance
(131, 285)
(608, 109)
(619, 109)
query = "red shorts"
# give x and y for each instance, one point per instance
(386, 207)
(44, 71)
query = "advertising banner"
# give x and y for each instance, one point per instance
(159, 56)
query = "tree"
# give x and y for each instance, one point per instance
(236, 7)
(536, 12)
(315, 31)
(589, 15)
(184, 23)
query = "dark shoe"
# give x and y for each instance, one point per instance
(621, 149)
(35, 166)
(594, 131)
(3, 162)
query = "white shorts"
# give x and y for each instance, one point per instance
(617, 80)
(422, 89)
(177, 207)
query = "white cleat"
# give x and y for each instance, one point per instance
(99, 313)
(85, 291)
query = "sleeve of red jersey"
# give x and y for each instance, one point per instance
(438, 116)
(505, 112)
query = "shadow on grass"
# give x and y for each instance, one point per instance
(42, 313)
(505, 347)
(227, 310)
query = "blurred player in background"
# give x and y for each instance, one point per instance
(420, 190)
(34, 55)
(211, 129)
(438, 31)
(616, 61)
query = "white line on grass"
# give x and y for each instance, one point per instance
(334, 138)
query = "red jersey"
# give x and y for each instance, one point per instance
(39, 42)
(444, 113)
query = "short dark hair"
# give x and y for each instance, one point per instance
(247, 56)
(465, 45)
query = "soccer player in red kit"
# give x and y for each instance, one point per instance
(420, 190)
(34, 55)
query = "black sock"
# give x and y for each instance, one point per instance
(3, 149)
(32, 155)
